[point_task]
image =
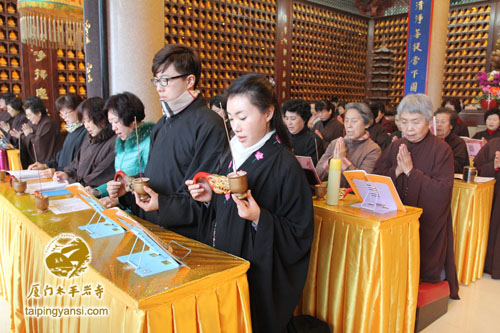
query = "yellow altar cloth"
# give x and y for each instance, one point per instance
(14, 160)
(364, 268)
(209, 296)
(471, 210)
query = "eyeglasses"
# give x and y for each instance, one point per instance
(163, 81)
(66, 112)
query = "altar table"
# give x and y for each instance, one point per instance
(210, 296)
(471, 210)
(364, 269)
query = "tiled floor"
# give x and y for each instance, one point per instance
(478, 309)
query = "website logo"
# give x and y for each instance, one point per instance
(67, 256)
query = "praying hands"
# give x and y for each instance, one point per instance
(405, 163)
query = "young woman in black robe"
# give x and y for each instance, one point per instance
(273, 228)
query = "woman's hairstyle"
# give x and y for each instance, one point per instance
(491, 112)
(262, 95)
(218, 101)
(321, 105)
(35, 104)
(452, 114)
(185, 59)
(69, 101)
(126, 106)
(6, 96)
(94, 109)
(363, 110)
(15, 103)
(298, 106)
(416, 103)
(377, 107)
(453, 101)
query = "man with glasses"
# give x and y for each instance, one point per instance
(189, 138)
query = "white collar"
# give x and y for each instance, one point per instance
(241, 153)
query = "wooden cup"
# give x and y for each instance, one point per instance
(41, 203)
(238, 183)
(138, 185)
(19, 186)
(320, 191)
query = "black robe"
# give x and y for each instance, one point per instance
(94, 163)
(378, 134)
(279, 250)
(485, 134)
(188, 142)
(430, 187)
(70, 149)
(4, 116)
(329, 129)
(16, 123)
(45, 137)
(484, 163)
(461, 129)
(304, 144)
(459, 149)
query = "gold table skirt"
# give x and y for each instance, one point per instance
(364, 269)
(14, 160)
(211, 296)
(471, 209)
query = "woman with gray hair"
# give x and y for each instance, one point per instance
(421, 167)
(356, 150)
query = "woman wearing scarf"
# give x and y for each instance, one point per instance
(356, 150)
(274, 228)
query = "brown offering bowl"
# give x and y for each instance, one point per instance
(320, 191)
(138, 185)
(238, 183)
(19, 186)
(41, 202)
(3, 174)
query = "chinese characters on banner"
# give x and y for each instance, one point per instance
(40, 74)
(417, 49)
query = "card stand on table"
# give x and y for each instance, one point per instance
(153, 260)
(370, 200)
(104, 226)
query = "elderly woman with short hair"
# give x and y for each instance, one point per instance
(421, 166)
(356, 150)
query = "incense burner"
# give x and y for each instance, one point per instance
(138, 185)
(238, 183)
(234, 183)
(41, 202)
(19, 186)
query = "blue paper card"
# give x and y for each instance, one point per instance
(150, 262)
(102, 229)
(56, 193)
